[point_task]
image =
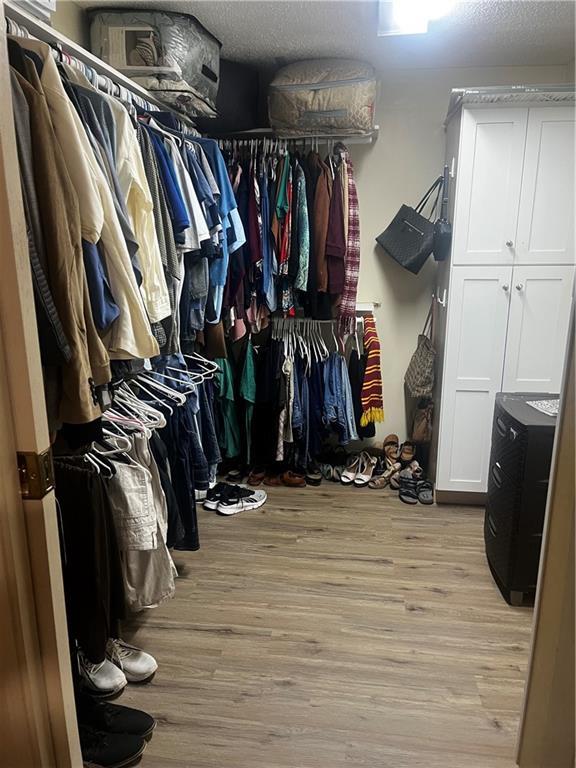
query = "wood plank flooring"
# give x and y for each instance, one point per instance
(335, 628)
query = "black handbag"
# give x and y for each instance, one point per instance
(409, 238)
(443, 228)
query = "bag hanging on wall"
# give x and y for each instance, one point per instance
(422, 422)
(409, 238)
(443, 228)
(419, 377)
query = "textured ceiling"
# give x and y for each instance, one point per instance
(490, 32)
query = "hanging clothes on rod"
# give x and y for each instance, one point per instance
(288, 392)
(300, 215)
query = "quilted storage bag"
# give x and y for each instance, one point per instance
(323, 96)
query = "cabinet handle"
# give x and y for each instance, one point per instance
(509, 243)
(519, 287)
(505, 287)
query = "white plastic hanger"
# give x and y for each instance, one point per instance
(170, 393)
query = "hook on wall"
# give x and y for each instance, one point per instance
(441, 301)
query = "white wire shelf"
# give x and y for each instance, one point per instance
(322, 138)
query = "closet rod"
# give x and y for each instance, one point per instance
(257, 134)
(47, 34)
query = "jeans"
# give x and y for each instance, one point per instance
(338, 406)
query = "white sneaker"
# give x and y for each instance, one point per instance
(103, 679)
(136, 664)
(240, 500)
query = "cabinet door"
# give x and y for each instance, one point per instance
(537, 328)
(546, 215)
(488, 190)
(474, 359)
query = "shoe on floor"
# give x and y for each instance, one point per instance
(215, 494)
(352, 467)
(273, 481)
(109, 750)
(136, 664)
(293, 479)
(365, 470)
(313, 474)
(102, 679)
(381, 481)
(112, 718)
(408, 488)
(425, 492)
(241, 500)
(256, 477)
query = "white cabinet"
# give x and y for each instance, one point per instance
(546, 214)
(489, 180)
(511, 276)
(537, 328)
(479, 302)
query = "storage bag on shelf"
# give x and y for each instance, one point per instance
(323, 96)
(170, 54)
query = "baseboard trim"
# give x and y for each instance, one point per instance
(461, 497)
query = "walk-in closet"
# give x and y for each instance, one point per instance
(287, 384)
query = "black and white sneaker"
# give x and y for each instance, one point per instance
(239, 499)
(215, 494)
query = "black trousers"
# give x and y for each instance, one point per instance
(92, 568)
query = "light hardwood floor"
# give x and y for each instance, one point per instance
(334, 628)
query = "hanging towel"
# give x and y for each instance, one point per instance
(352, 262)
(372, 403)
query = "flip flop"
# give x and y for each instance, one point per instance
(425, 492)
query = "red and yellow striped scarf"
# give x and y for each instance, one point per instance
(372, 402)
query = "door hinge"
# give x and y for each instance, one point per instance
(36, 474)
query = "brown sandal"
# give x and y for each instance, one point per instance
(391, 444)
(407, 452)
(381, 481)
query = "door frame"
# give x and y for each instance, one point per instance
(43, 717)
(546, 732)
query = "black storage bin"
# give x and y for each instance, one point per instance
(520, 461)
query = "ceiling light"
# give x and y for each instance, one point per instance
(411, 17)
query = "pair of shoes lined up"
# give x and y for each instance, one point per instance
(359, 470)
(111, 736)
(289, 478)
(123, 664)
(230, 499)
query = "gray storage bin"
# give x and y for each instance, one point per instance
(171, 54)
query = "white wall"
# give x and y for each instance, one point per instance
(71, 20)
(398, 168)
